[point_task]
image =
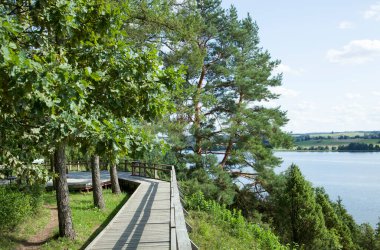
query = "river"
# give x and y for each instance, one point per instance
(355, 177)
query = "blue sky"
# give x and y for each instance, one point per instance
(330, 54)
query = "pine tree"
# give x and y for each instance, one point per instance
(367, 240)
(228, 76)
(301, 220)
(377, 235)
(332, 222)
(349, 225)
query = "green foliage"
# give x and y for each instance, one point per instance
(76, 77)
(228, 76)
(349, 225)
(214, 183)
(332, 222)
(367, 238)
(239, 233)
(15, 207)
(18, 202)
(299, 218)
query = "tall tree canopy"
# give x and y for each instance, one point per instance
(228, 78)
(68, 73)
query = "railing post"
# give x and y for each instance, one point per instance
(133, 165)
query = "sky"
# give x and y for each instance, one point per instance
(330, 60)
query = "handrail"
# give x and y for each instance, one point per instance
(179, 237)
(140, 169)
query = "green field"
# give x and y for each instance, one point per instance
(335, 139)
(335, 142)
(337, 134)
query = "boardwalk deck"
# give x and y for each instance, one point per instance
(143, 222)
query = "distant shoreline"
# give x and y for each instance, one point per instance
(327, 151)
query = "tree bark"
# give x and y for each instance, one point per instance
(52, 169)
(230, 144)
(226, 153)
(197, 116)
(97, 191)
(66, 228)
(114, 180)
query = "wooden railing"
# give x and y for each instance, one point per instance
(150, 170)
(179, 237)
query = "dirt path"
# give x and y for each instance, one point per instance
(44, 235)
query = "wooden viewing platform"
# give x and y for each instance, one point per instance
(152, 218)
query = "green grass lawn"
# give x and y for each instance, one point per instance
(87, 220)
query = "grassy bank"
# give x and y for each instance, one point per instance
(87, 220)
(216, 227)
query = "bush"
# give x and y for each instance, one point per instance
(234, 224)
(35, 192)
(15, 206)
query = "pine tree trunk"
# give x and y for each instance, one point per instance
(197, 116)
(97, 191)
(230, 144)
(226, 153)
(114, 180)
(62, 192)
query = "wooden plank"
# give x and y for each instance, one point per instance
(152, 218)
(143, 222)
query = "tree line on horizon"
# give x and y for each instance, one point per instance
(103, 79)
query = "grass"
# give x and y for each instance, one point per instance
(208, 234)
(216, 227)
(88, 221)
(30, 227)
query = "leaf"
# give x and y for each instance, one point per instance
(5, 52)
(12, 45)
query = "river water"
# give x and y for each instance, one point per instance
(355, 177)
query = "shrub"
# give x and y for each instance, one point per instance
(15, 206)
(35, 192)
(234, 222)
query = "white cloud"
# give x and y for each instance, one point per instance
(286, 69)
(344, 25)
(355, 52)
(376, 93)
(353, 95)
(373, 12)
(285, 91)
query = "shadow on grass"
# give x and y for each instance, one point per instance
(105, 222)
(26, 243)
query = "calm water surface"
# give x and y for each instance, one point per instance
(355, 177)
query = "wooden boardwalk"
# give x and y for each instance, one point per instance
(143, 222)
